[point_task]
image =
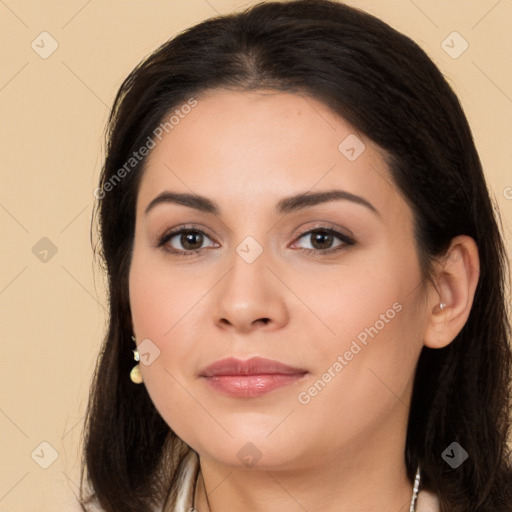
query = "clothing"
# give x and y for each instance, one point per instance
(427, 502)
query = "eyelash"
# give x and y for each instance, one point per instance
(347, 241)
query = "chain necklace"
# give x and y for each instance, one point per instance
(412, 508)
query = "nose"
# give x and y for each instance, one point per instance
(250, 297)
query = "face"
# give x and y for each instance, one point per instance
(266, 266)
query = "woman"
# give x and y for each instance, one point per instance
(367, 370)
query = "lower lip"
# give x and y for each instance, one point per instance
(248, 386)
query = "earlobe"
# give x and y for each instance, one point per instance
(450, 301)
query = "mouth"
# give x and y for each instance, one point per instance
(250, 378)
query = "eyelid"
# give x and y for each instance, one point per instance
(330, 228)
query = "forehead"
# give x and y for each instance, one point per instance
(250, 147)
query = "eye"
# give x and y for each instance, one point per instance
(189, 241)
(184, 241)
(321, 241)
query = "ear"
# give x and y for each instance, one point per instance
(454, 285)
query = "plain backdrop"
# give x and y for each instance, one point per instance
(61, 65)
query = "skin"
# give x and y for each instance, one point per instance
(343, 450)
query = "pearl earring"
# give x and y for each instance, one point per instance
(442, 305)
(135, 375)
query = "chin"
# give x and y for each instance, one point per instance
(241, 452)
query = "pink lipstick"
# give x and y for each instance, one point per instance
(250, 378)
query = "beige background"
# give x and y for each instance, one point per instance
(53, 114)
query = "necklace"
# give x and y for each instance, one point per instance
(412, 507)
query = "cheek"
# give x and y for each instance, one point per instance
(159, 305)
(159, 296)
(366, 370)
(377, 315)
(374, 298)
(166, 308)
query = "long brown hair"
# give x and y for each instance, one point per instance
(385, 85)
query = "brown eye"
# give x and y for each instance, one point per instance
(185, 241)
(323, 241)
(191, 240)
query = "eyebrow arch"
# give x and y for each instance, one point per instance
(284, 206)
(297, 202)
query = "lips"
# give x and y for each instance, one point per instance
(250, 378)
(253, 366)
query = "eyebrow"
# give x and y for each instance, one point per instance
(284, 206)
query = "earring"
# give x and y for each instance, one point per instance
(135, 375)
(442, 305)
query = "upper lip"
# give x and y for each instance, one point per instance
(252, 366)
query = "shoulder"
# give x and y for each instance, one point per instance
(427, 502)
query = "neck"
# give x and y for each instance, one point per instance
(370, 477)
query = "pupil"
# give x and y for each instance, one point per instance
(191, 239)
(324, 239)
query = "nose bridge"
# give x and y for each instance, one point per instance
(250, 292)
(247, 280)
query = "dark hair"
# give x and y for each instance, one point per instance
(382, 83)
